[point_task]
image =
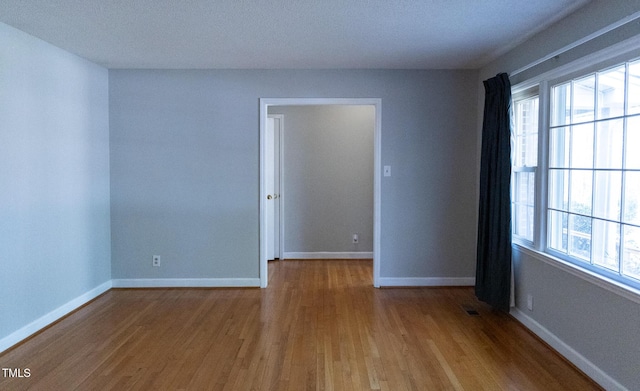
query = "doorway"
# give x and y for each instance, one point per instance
(265, 220)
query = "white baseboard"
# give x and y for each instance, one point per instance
(44, 321)
(186, 282)
(586, 366)
(329, 255)
(427, 281)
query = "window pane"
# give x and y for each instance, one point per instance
(530, 214)
(631, 252)
(561, 104)
(632, 198)
(609, 144)
(580, 237)
(632, 143)
(557, 231)
(531, 197)
(583, 99)
(524, 199)
(520, 192)
(582, 146)
(633, 95)
(530, 128)
(519, 153)
(580, 187)
(606, 244)
(532, 150)
(523, 150)
(522, 221)
(558, 189)
(611, 93)
(559, 148)
(607, 192)
(525, 154)
(526, 129)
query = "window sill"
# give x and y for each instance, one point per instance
(596, 279)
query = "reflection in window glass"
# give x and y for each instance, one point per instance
(611, 93)
(558, 189)
(582, 146)
(583, 99)
(580, 237)
(561, 105)
(524, 199)
(633, 92)
(559, 148)
(558, 224)
(631, 197)
(609, 144)
(526, 131)
(580, 190)
(606, 244)
(606, 197)
(631, 252)
(632, 143)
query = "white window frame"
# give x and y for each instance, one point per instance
(616, 54)
(516, 96)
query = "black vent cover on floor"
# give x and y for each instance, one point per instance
(471, 311)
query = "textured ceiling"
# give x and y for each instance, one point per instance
(423, 34)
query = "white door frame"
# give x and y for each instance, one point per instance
(280, 185)
(377, 149)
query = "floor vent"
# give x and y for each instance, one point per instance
(471, 312)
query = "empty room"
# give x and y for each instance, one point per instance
(320, 195)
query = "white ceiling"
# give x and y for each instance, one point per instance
(419, 34)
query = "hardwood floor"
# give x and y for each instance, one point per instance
(319, 326)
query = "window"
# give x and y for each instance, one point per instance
(588, 167)
(593, 175)
(525, 162)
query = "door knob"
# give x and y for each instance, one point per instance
(269, 197)
(275, 196)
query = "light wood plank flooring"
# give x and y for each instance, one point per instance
(319, 326)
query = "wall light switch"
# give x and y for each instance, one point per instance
(387, 171)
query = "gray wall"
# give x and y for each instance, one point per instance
(327, 177)
(593, 17)
(599, 325)
(185, 167)
(54, 178)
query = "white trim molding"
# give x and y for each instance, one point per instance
(586, 366)
(186, 283)
(426, 281)
(328, 255)
(53, 316)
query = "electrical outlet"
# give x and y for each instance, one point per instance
(156, 260)
(356, 238)
(530, 302)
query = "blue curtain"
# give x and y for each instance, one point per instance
(493, 267)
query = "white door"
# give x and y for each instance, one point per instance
(272, 181)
